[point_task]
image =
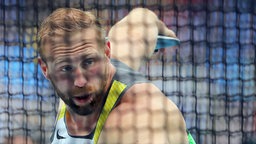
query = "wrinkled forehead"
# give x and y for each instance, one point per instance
(68, 40)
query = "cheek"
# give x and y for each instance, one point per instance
(61, 82)
(98, 71)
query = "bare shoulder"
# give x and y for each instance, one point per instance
(145, 115)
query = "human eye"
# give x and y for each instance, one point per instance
(88, 62)
(66, 68)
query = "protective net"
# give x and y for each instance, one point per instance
(211, 76)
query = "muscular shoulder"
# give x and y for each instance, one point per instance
(145, 115)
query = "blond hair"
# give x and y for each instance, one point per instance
(67, 20)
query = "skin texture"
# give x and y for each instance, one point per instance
(80, 71)
(146, 116)
(133, 39)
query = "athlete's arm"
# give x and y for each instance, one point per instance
(134, 37)
(145, 115)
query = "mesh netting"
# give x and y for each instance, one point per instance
(211, 76)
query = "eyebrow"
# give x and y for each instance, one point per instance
(68, 59)
(61, 60)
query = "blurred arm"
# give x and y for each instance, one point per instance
(134, 37)
(146, 116)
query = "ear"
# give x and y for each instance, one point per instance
(107, 49)
(43, 67)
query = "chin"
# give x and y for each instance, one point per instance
(84, 110)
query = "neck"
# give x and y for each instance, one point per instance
(80, 125)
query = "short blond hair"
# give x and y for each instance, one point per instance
(67, 20)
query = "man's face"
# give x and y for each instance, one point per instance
(77, 68)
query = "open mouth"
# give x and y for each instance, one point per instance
(83, 100)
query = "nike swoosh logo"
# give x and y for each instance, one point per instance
(59, 136)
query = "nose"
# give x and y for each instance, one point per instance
(80, 80)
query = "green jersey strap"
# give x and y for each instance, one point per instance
(190, 138)
(115, 91)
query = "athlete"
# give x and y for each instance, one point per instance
(105, 100)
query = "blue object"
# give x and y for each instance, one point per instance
(166, 42)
